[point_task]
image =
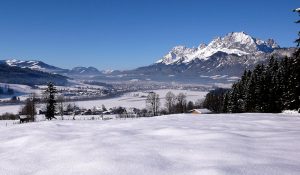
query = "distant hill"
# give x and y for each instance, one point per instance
(17, 75)
(44, 67)
(34, 65)
(84, 71)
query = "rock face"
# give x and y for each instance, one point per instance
(235, 43)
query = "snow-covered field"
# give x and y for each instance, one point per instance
(187, 144)
(133, 99)
(137, 99)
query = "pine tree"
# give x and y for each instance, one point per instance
(259, 88)
(249, 92)
(214, 100)
(295, 104)
(51, 101)
(237, 103)
(225, 103)
(273, 87)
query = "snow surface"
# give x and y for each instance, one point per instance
(207, 144)
(291, 112)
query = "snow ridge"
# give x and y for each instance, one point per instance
(32, 64)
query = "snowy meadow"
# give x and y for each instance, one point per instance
(208, 144)
(128, 100)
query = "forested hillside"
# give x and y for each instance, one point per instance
(16, 75)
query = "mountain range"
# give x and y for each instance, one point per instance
(223, 60)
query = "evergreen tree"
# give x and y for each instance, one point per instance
(225, 103)
(51, 101)
(295, 104)
(190, 106)
(249, 92)
(259, 88)
(214, 100)
(236, 100)
(298, 39)
(273, 102)
(269, 88)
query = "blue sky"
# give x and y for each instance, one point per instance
(124, 34)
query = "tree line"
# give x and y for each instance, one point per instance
(173, 104)
(268, 88)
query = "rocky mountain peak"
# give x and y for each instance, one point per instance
(238, 43)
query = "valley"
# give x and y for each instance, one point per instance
(160, 87)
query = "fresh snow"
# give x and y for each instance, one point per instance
(186, 144)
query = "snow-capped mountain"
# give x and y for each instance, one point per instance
(223, 59)
(237, 43)
(34, 65)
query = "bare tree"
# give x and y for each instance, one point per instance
(30, 108)
(199, 103)
(181, 102)
(153, 103)
(61, 105)
(74, 110)
(94, 110)
(170, 102)
(103, 108)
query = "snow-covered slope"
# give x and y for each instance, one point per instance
(224, 144)
(238, 43)
(34, 65)
(41, 66)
